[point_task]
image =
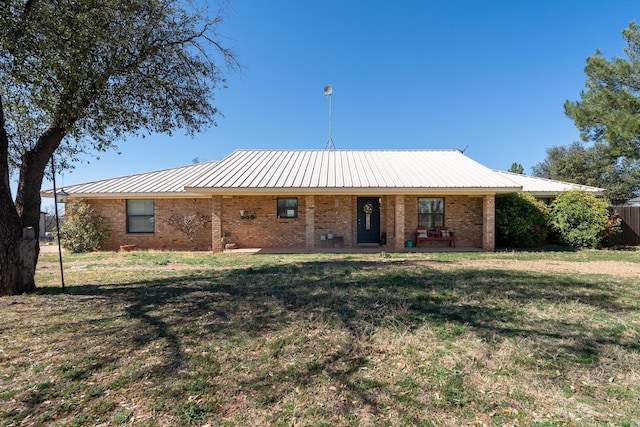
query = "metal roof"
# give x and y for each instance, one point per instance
(633, 202)
(547, 187)
(166, 182)
(368, 171)
(323, 171)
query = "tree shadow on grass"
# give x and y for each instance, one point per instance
(357, 297)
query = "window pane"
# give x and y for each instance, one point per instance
(287, 208)
(141, 224)
(430, 205)
(140, 207)
(140, 216)
(287, 203)
(431, 212)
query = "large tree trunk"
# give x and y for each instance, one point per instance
(18, 257)
(20, 221)
(17, 254)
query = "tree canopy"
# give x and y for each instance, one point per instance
(593, 166)
(77, 76)
(516, 168)
(581, 219)
(609, 109)
(99, 70)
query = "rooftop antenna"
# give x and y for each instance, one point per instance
(464, 149)
(328, 90)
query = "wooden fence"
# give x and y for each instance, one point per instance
(630, 216)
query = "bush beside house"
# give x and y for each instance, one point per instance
(582, 220)
(521, 220)
(82, 229)
(575, 218)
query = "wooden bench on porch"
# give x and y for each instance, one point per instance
(440, 234)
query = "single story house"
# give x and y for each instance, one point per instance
(308, 198)
(633, 202)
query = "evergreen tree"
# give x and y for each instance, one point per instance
(609, 108)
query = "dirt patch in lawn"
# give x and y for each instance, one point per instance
(168, 262)
(613, 268)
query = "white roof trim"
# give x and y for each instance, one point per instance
(355, 191)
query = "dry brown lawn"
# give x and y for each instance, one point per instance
(170, 339)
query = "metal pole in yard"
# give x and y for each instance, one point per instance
(55, 198)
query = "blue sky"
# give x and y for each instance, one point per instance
(491, 75)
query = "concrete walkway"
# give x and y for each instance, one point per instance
(44, 247)
(351, 250)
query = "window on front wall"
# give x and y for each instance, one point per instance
(431, 212)
(140, 217)
(287, 208)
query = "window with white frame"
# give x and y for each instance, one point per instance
(140, 216)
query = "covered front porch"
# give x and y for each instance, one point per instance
(343, 223)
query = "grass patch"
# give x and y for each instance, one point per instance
(161, 338)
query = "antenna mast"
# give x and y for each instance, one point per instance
(328, 90)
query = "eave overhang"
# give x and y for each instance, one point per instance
(163, 195)
(352, 190)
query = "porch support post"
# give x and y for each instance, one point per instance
(489, 222)
(310, 222)
(398, 238)
(217, 244)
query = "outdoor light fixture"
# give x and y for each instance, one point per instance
(61, 196)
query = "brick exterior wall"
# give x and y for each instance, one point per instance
(464, 215)
(335, 214)
(489, 233)
(310, 223)
(114, 213)
(402, 217)
(387, 209)
(266, 229)
(217, 236)
(331, 214)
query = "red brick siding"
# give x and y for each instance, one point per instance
(266, 229)
(462, 214)
(114, 214)
(489, 208)
(334, 214)
(217, 236)
(331, 213)
(389, 216)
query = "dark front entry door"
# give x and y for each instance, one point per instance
(368, 220)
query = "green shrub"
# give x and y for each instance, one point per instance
(581, 219)
(521, 220)
(82, 229)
